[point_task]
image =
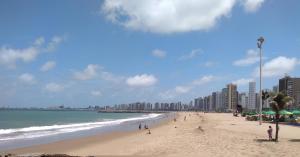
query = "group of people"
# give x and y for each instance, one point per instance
(270, 130)
(145, 127)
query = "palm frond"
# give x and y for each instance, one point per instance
(274, 106)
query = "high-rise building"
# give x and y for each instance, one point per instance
(156, 106)
(224, 99)
(213, 101)
(243, 100)
(206, 103)
(210, 103)
(247, 101)
(252, 96)
(197, 103)
(275, 89)
(219, 101)
(290, 87)
(232, 96)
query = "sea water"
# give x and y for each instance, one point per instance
(20, 128)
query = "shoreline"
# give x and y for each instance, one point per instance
(79, 130)
(67, 144)
(205, 134)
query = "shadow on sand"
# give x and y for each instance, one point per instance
(264, 140)
(294, 140)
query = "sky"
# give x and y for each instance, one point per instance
(78, 53)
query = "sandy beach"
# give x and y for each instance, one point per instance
(209, 134)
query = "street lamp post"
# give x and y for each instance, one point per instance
(259, 45)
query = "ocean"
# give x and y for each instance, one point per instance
(20, 128)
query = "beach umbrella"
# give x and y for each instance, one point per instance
(285, 112)
(269, 112)
(296, 112)
(251, 113)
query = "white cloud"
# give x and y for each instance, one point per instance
(93, 71)
(171, 16)
(252, 56)
(182, 89)
(48, 66)
(27, 78)
(96, 93)
(10, 56)
(88, 73)
(277, 67)
(143, 80)
(39, 41)
(190, 55)
(204, 80)
(53, 44)
(252, 5)
(159, 53)
(54, 87)
(242, 81)
(108, 76)
(197, 82)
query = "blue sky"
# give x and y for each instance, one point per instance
(80, 53)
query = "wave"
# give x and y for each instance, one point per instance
(40, 131)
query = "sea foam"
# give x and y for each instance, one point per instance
(40, 131)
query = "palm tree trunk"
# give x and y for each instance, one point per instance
(277, 127)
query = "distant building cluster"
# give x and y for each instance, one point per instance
(229, 98)
(225, 100)
(143, 106)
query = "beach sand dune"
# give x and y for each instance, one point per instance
(209, 134)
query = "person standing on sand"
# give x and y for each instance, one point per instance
(140, 126)
(270, 130)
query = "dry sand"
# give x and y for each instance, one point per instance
(210, 134)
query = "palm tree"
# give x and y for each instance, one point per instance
(279, 102)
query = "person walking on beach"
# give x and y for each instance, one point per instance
(270, 130)
(140, 126)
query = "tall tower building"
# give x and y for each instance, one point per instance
(214, 101)
(275, 89)
(232, 96)
(252, 96)
(206, 103)
(224, 99)
(196, 104)
(242, 100)
(290, 87)
(210, 103)
(218, 101)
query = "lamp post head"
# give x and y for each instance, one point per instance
(260, 41)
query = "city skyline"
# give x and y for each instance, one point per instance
(104, 53)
